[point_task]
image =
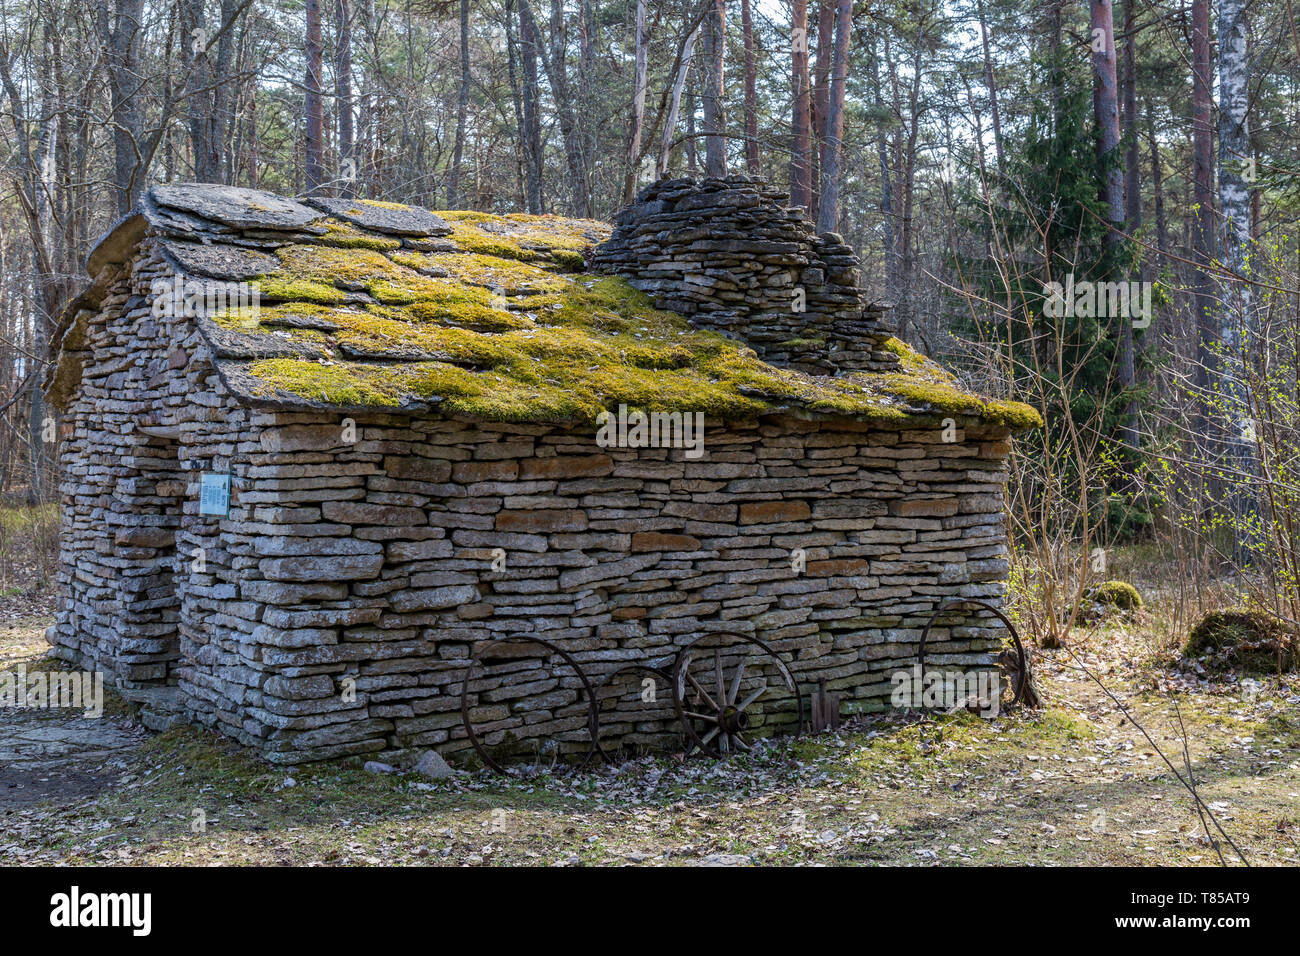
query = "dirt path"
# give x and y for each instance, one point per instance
(60, 756)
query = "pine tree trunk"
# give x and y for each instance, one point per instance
(1106, 102)
(821, 96)
(828, 206)
(642, 42)
(343, 98)
(801, 119)
(752, 163)
(715, 121)
(313, 142)
(462, 111)
(531, 134)
(994, 114)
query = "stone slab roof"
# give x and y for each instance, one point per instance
(366, 305)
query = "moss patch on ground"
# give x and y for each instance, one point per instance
(1244, 638)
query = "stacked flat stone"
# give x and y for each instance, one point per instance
(734, 257)
(366, 557)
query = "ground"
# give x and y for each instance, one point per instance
(1073, 783)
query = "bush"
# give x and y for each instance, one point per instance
(1245, 638)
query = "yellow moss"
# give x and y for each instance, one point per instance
(526, 238)
(269, 316)
(570, 261)
(467, 215)
(380, 204)
(565, 349)
(376, 273)
(347, 236)
(511, 276)
(1014, 415)
(465, 314)
(279, 288)
(330, 383)
(468, 237)
(908, 357)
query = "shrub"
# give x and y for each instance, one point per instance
(1242, 637)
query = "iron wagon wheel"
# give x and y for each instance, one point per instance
(718, 722)
(593, 718)
(654, 672)
(1015, 664)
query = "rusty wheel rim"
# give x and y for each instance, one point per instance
(656, 672)
(1022, 663)
(716, 722)
(593, 717)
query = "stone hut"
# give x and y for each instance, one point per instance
(316, 453)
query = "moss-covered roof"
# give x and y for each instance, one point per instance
(368, 305)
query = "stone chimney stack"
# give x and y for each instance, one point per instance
(734, 257)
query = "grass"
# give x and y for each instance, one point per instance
(28, 540)
(1074, 783)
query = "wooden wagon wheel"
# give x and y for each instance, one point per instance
(1014, 662)
(653, 672)
(593, 718)
(718, 721)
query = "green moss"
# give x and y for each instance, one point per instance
(924, 382)
(1105, 601)
(1116, 594)
(552, 239)
(329, 383)
(468, 237)
(510, 276)
(273, 318)
(569, 260)
(908, 357)
(1245, 638)
(281, 288)
(462, 314)
(325, 267)
(508, 335)
(1014, 415)
(347, 236)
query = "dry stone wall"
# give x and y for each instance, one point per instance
(734, 257)
(147, 414)
(370, 567)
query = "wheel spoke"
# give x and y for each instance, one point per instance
(717, 671)
(710, 735)
(707, 718)
(735, 681)
(702, 692)
(740, 741)
(752, 697)
(722, 743)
